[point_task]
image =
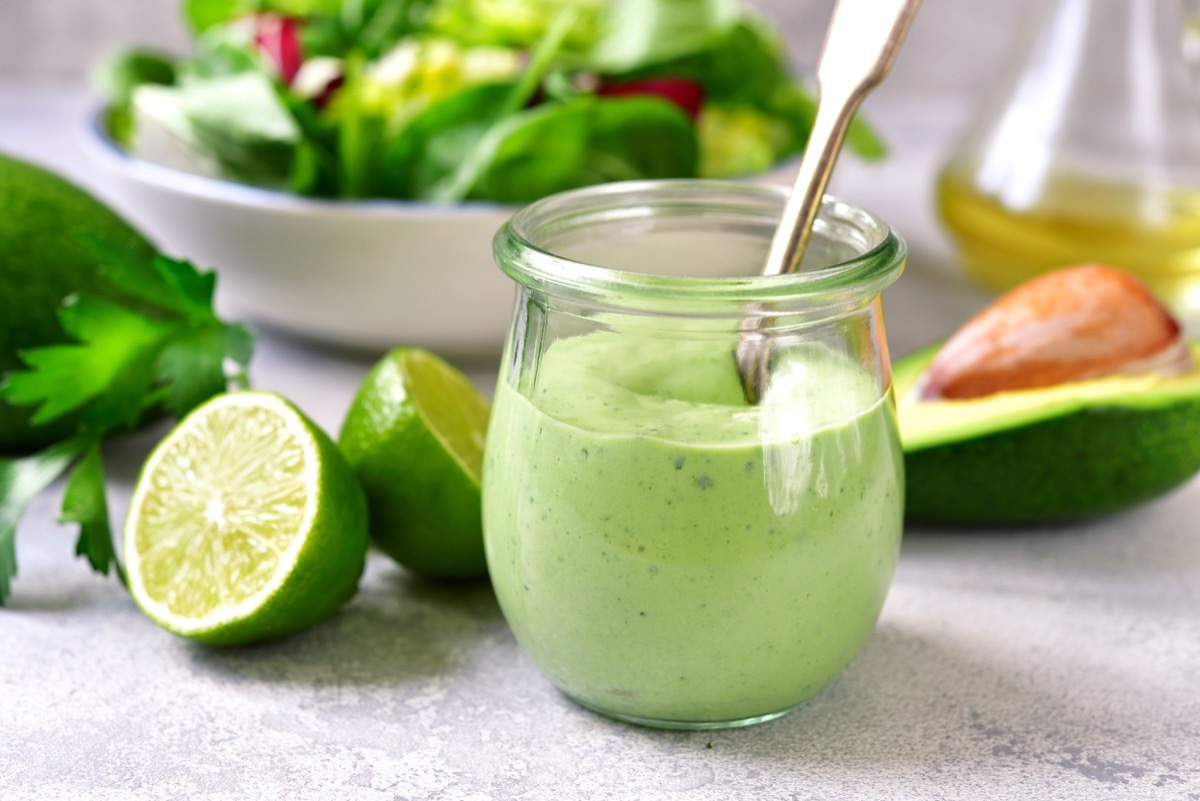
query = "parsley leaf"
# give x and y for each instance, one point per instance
(129, 273)
(194, 364)
(63, 378)
(20, 482)
(164, 348)
(191, 289)
(84, 503)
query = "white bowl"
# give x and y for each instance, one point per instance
(364, 274)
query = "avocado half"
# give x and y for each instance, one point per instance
(1070, 451)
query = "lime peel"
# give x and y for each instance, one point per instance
(414, 438)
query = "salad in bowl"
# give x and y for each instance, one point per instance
(453, 100)
(344, 163)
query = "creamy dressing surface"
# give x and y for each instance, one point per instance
(666, 552)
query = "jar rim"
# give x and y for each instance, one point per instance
(523, 258)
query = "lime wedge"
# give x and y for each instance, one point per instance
(414, 437)
(246, 524)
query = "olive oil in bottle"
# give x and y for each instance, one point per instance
(1086, 148)
(1153, 233)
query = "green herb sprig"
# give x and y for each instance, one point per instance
(162, 349)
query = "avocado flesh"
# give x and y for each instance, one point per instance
(1071, 451)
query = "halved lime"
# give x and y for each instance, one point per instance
(414, 437)
(246, 524)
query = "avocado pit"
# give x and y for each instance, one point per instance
(1073, 396)
(1072, 324)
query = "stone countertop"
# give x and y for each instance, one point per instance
(1046, 663)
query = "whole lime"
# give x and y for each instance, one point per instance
(45, 223)
(414, 437)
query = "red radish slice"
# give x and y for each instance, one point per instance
(686, 94)
(278, 38)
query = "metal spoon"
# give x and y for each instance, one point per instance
(861, 43)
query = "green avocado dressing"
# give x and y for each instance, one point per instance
(666, 552)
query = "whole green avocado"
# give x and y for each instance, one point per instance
(45, 221)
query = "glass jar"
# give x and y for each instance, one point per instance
(667, 553)
(1086, 149)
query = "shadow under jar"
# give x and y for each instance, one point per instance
(667, 553)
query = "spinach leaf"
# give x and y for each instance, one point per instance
(223, 50)
(545, 149)
(435, 144)
(587, 141)
(746, 67)
(460, 136)
(241, 121)
(610, 35)
(315, 168)
(487, 141)
(367, 27)
(117, 77)
(515, 23)
(361, 132)
(203, 14)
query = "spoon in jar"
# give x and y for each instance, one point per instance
(861, 44)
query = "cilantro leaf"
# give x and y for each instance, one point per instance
(84, 503)
(20, 482)
(124, 356)
(129, 399)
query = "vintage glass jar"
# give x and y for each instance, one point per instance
(666, 552)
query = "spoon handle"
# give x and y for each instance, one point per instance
(861, 43)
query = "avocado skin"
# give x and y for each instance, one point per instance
(44, 258)
(1083, 464)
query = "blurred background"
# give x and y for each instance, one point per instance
(953, 47)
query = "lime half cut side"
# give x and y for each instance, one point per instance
(246, 524)
(457, 415)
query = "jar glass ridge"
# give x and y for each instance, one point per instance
(668, 554)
